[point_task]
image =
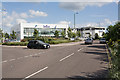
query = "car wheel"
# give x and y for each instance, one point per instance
(47, 47)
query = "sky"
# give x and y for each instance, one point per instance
(89, 13)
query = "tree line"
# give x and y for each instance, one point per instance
(113, 40)
(8, 36)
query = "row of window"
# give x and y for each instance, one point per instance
(50, 31)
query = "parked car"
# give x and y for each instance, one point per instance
(36, 44)
(89, 41)
(102, 40)
(13, 40)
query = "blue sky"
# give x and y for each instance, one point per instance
(89, 14)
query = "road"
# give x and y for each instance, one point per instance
(72, 61)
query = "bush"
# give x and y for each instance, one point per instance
(16, 43)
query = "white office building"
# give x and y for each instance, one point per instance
(24, 30)
(90, 31)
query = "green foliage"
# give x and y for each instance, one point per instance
(74, 35)
(113, 38)
(1, 33)
(56, 33)
(35, 34)
(16, 43)
(69, 32)
(78, 34)
(96, 36)
(7, 35)
(63, 34)
(89, 35)
(13, 35)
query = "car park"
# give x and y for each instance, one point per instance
(89, 41)
(37, 44)
(102, 40)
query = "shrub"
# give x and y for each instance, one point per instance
(16, 43)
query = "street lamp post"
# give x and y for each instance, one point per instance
(74, 20)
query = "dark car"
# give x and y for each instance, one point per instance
(36, 44)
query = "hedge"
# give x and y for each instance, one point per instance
(16, 43)
(50, 42)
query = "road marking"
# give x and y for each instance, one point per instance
(35, 54)
(80, 49)
(12, 60)
(25, 56)
(4, 61)
(31, 55)
(20, 58)
(35, 73)
(66, 57)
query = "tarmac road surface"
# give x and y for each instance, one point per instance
(72, 61)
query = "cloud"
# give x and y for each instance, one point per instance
(78, 6)
(64, 22)
(21, 21)
(24, 15)
(60, 0)
(37, 13)
(105, 23)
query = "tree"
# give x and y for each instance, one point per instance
(89, 35)
(1, 33)
(73, 35)
(103, 34)
(7, 35)
(69, 32)
(56, 33)
(13, 35)
(35, 34)
(63, 33)
(96, 36)
(78, 34)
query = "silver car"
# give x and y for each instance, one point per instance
(102, 40)
(89, 41)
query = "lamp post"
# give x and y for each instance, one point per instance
(74, 19)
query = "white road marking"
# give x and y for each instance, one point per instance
(12, 60)
(31, 55)
(4, 61)
(35, 73)
(35, 54)
(80, 49)
(66, 57)
(20, 58)
(25, 56)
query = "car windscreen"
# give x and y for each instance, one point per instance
(103, 39)
(88, 39)
(41, 42)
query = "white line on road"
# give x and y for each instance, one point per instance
(12, 60)
(66, 57)
(35, 73)
(80, 49)
(4, 61)
(25, 56)
(35, 54)
(31, 55)
(20, 58)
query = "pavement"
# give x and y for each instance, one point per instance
(66, 61)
